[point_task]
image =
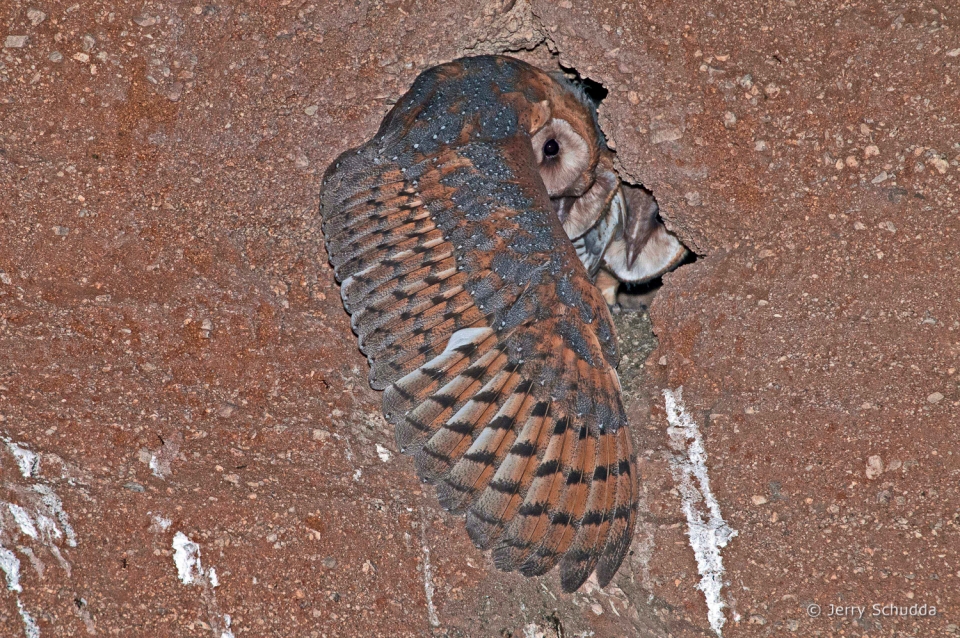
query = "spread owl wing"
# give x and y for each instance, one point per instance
(495, 352)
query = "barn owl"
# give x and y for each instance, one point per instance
(449, 233)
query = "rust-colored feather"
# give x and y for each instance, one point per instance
(498, 503)
(495, 351)
(530, 541)
(582, 556)
(624, 511)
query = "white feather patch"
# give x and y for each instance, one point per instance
(465, 336)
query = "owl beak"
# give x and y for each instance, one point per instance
(579, 214)
(641, 221)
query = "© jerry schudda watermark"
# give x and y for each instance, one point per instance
(874, 609)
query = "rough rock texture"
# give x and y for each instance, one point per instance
(174, 352)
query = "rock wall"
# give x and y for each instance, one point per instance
(191, 446)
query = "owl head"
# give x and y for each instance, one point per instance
(567, 142)
(572, 156)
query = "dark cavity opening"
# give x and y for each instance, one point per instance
(591, 88)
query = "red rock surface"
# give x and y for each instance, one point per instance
(165, 301)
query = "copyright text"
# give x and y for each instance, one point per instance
(876, 609)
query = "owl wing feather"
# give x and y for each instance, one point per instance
(495, 351)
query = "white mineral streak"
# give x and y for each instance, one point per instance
(29, 462)
(30, 628)
(52, 501)
(186, 557)
(10, 565)
(35, 520)
(24, 522)
(706, 528)
(428, 588)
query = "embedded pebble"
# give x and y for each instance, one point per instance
(665, 135)
(729, 119)
(55, 56)
(874, 467)
(940, 164)
(176, 90)
(936, 397)
(758, 500)
(36, 16)
(15, 42)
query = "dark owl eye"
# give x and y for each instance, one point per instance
(551, 148)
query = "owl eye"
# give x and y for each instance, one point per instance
(551, 148)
